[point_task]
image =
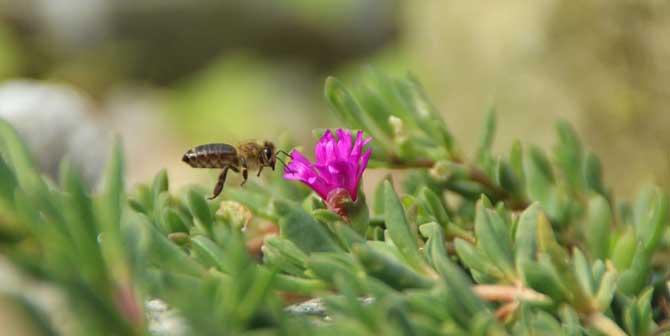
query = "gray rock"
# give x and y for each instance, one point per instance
(162, 320)
(55, 121)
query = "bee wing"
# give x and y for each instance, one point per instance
(221, 149)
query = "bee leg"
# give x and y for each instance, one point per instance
(259, 171)
(219, 184)
(245, 175)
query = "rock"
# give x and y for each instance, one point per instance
(162, 320)
(55, 121)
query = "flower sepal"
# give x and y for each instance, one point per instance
(353, 212)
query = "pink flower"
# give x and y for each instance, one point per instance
(338, 168)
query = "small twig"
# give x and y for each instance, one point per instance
(506, 310)
(475, 174)
(605, 325)
(480, 177)
(508, 293)
(397, 163)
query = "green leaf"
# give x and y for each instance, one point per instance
(464, 304)
(539, 161)
(624, 249)
(435, 243)
(483, 155)
(113, 191)
(542, 279)
(358, 213)
(255, 296)
(434, 204)
(516, 159)
(162, 252)
(559, 259)
(526, 236)
(507, 179)
(160, 183)
(17, 154)
(201, 212)
(110, 213)
(606, 288)
(424, 114)
(570, 321)
(494, 239)
(343, 103)
(598, 226)
(301, 286)
(337, 225)
(569, 153)
(593, 174)
(378, 202)
(302, 229)
(390, 271)
(325, 265)
(473, 258)
(142, 200)
(208, 253)
(257, 200)
(284, 255)
(82, 225)
(386, 88)
(173, 221)
(399, 230)
(656, 224)
(638, 318)
(541, 188)
(375, 108)
(583, 272)
(642, 209)
(536, 323)
(637, 315)
(633, 279)
(7, 184)
(468, 189)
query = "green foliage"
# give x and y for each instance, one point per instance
(527, 243)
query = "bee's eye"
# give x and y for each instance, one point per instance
(267, 153)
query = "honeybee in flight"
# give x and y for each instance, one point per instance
(246, 156)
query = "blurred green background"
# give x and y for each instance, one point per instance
(170, 74)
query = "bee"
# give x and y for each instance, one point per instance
(240, 159)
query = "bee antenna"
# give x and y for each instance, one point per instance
(285, 166)
(283, 152)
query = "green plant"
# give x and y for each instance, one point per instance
(526, 243)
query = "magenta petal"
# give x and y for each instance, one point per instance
(358, 146)
(320, 151)
(296, 156)
(339, 164)
(363, 163)
(299, 168)
(343, 144)
(321, 189)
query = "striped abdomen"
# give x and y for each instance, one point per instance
(211, 156)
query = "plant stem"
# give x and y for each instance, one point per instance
(507, 293)
(506, 310)
(605, 325)
(474, 173)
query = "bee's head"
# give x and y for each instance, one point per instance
(268, 156)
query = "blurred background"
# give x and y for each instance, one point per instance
(170, 74)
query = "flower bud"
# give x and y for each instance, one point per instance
(235, 213)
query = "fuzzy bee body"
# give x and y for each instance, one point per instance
(238, 159)
(216, 155)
